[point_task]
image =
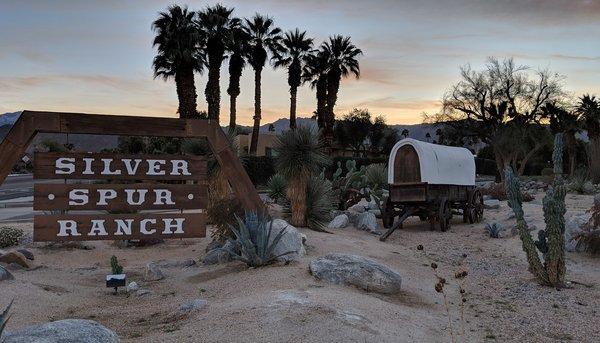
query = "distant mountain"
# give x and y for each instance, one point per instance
(9, 118)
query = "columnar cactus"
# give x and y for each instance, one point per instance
(551, 243)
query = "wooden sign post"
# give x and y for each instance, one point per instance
(132, 187)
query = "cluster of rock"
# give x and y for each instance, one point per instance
(67, 330)
(363, 216)
(292, 240)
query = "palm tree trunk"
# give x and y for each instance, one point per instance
(321, 101)
(293, 95)
(232, 111)
(333, 86)
(186, 92)
(257, 112)
(594, 158)
(297, 194)
(213, 90)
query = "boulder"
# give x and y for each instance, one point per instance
(588, 188)
(368, 222)
(216, 256)
(63, 331)
(194, 305)
(339, 222)
(142, 292)
(357, 208)
(343, 269)
(132, 287)
(292, 240)
(15, 257)
(5, 274)
(153, 272)
(491, 204)
(574, 227)
(28, 254)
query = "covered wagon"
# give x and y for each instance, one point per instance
(432, 182)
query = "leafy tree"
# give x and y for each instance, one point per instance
(353, 130)
(342, 60)
(215, 24)
(264, 38)
(589, 110)
(178, 43)
(486, 105)
(237, 46)
(294, 56)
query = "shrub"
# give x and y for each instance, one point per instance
(498, 191)
(253, 238)
(277, 187)
(221, 212)
(4, 319)
(10, 236)
(484, 166)
(259, 168)
(590, 236)
(320, 201)
(494, 229)
(115, 267)
(578, 182)
(376, 176)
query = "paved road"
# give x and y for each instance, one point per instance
(16, 186)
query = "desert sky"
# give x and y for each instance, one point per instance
(95, 56)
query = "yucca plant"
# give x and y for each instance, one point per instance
(494, 229)
(277, 187)
(320, 202)
(551, 242)
(4, 319)
(578, 182)
(253, 238)
(300, 155)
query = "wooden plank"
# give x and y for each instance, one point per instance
(9, 156)
(112, 227)
(123, 197)
(105, 166)
(406, 165)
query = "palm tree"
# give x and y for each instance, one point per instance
(179, 56)
(589, 110)
(237, 45)
(294, 55)
(567, 123)
(300, 155)
(215, 24)
(264, 38)
(342, 57)
(405, 133)
(315, 71)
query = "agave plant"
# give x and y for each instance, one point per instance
(4, 318)
(277, 186)
(253, 238)
(494, 229)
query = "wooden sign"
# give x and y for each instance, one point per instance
(149, 169)
(105, 166)
(120, 198)
(111, 197)
(60, 228)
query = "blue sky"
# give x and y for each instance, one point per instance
(95, 57)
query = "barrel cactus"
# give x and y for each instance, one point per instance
(550, 244)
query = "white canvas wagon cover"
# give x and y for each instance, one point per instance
(439, 164)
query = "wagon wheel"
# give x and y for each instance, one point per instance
(444, 214)
(476, 205)
(468, 209)
(387, 216)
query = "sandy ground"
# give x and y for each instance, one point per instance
(284, 303)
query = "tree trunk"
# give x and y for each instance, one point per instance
(594, 159)
(213, 90)
(499, 163)
(186, 92)
(527, 157)
(321, 101)
(232, 111)
(257, 112)
(297, 194)
(571, 145)
(293, 95)
(333, 86)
